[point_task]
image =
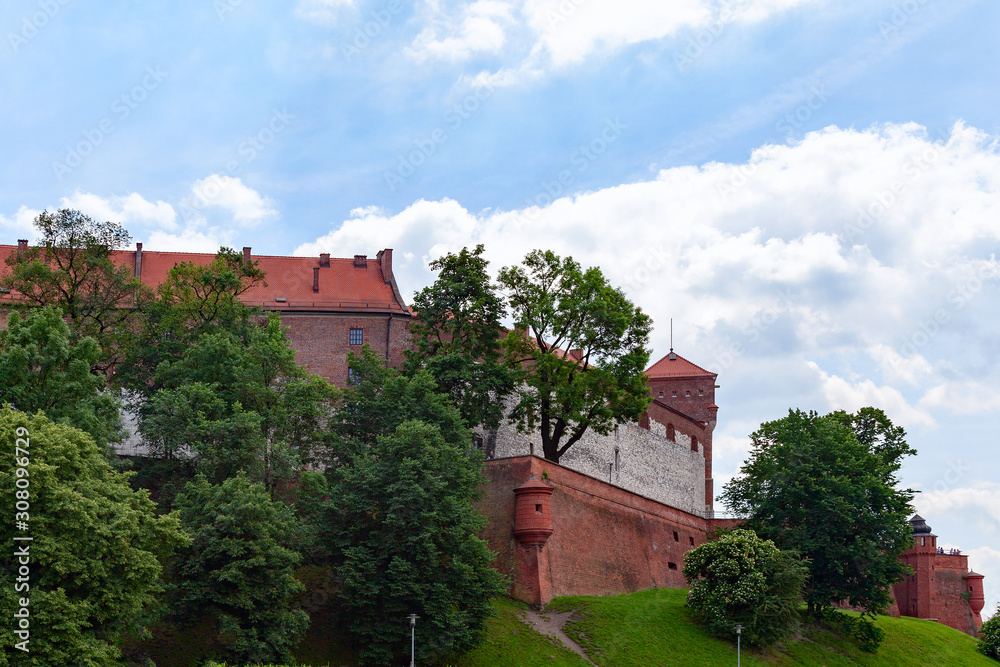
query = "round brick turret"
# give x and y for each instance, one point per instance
(977, 598)
(533, 513)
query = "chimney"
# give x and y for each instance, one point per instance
(315, 279)
(324, 259)
(22, 245)
(361, 261)
(246, 254)
(138, 260)
(385, 261)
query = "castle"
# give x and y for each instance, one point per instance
(617, 514)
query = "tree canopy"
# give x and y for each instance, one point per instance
(558, 308)
(457, 337)
(97, 546)
(45, 369)
(73, 268)
(826, 486)
(740, 578)
(239, 568)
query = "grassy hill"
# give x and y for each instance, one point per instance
(653, 628)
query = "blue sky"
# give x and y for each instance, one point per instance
(809, 188)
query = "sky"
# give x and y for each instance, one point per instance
(809, 188)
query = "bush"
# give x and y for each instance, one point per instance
(740, 578)
(989, 636)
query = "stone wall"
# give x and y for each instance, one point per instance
(633, 458)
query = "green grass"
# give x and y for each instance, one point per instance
(655, 628)
(512, 643)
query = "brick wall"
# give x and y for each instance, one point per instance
(605, 540)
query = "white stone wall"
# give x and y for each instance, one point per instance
(647, 463)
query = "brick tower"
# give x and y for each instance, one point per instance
(682, 387)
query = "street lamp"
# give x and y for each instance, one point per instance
(413, 624)
(739, 628)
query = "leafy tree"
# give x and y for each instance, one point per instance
(238, 568)
(193, 301)
(45, 369)
(239, 404)
(73, 268)
(457, 337)
(557, 307)
(740, 578)
(403, 537)
(826, 486)
(381, 399)
(96, 549)
(989, 637)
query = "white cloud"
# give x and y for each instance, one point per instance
(132, 209)
(248, 207)
(481, 28)
(19, 226)
(321, 12)
(533, 36)
(795, 255)
(842, 394)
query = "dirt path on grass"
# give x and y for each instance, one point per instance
(551, 624)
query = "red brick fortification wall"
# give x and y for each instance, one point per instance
(321, 340)
(604, 539)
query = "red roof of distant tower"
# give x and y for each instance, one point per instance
(675, 366)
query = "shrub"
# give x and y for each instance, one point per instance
(740, 578)
(989, 636)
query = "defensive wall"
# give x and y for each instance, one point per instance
(584, 536)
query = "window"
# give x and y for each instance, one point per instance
(352, 377)
(661, 394)
(687, 393)
(692, 540)
(538, 508)
(671, 433)
(672, 566)
(357, 337)
(694, 444)
(701, 392)
(675, 537)
(674, 394)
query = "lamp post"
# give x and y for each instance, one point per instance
(413, 624)
(739, 629)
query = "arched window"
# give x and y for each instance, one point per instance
(694, 444)
(671, 434)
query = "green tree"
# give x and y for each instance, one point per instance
(403, 538)
(239, 569)
(96, 550)
(740, 578)
(457, 337)
(989, 637)
(559, 307)
(193, 301)
(44, 368)
(826, 486)
(73, 267)
(239, 403)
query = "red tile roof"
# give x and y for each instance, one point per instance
(343, 287)
(678, 367)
